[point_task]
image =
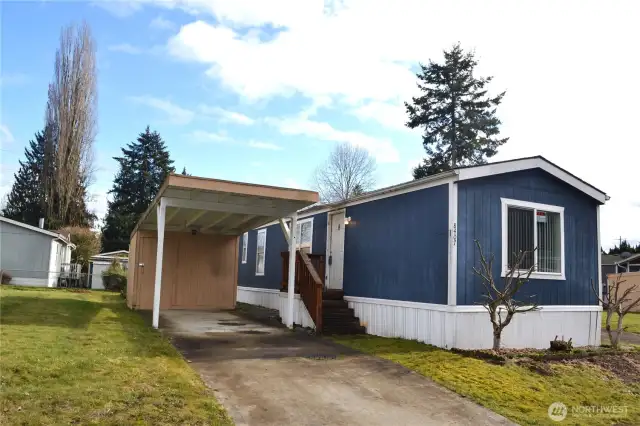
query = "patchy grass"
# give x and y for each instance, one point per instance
(631, 321)
(70, 357)
(514, 391)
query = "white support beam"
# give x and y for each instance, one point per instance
(599, 252)
(161, 211)
(453, 245)
(285, 229)
(223, 207)
(197, 215)
(239, 222)
(291, 284)
(217, 221)
(171, 215)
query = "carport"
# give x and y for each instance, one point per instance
(183, 252)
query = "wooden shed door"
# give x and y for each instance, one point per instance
(147, 272)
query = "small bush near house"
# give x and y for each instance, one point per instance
(5, 277)
(87, 244)
(115, 277)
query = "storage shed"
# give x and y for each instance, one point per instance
(193, 225)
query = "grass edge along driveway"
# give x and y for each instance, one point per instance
(513, 391)
(84, 358)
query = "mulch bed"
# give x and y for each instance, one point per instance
(624, 364)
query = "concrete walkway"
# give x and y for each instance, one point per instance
(266, 375)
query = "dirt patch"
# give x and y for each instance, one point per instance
(626, 366)
(623, 364)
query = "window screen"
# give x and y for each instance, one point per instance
(528, 228)
(548, 228)
(245, 241)
(260, 251)
(520, 236)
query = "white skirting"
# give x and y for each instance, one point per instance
(300, 314)
(275, 299)
(30, 282)
(267, 297)
(468, 327)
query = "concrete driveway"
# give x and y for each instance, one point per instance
(267, 375)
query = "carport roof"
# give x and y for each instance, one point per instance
(213, 206)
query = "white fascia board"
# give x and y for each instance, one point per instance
(526, 164)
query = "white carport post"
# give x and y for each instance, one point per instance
(292, 269)
(161, 209)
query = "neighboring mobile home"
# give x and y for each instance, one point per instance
(32, 256)
(403, 256)
(101, 262)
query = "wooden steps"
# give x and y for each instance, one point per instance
(337, 316)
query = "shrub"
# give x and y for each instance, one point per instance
(87, 244)
(115, 278)
(5, 277)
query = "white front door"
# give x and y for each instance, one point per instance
(335, 248)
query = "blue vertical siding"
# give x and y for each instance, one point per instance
(396, 247)
(479, 217)
(276, 244)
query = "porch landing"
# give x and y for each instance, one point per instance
(265, 374)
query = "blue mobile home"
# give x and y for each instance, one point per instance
(403, 256)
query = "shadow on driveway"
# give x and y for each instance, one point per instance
(265, 374)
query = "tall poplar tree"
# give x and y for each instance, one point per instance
(457, 114)
(143, 167)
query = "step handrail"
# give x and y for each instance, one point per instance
(308, 282)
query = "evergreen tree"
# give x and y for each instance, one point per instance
(28, 200)
(458, 117)
(625, 246)
(144, 165)
(24, 202)
(184, 172)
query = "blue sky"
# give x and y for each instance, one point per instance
(260, 91)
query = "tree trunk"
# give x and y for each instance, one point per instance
(497, 335)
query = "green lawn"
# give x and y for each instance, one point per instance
(513, 391)
(84, 358)
(631, 321)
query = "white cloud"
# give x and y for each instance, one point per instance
(392, 115)
(204, 136)
(5, 135)
(265, 145)
(362, 56)
(226, 115)
(292, 183)
(125, 48)
(12, 79)
(175, 114)
(160, 23)
(119, 8)
(382, 149)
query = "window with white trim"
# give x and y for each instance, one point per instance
(304, 234)
(245, 242)
(537, 229)
(261, 249)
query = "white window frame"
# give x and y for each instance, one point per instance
(264, 257)
(245, 248)
(299, 239)
(506, 203)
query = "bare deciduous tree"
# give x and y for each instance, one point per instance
(618, 302)
(348, 172)
(70, 124)
(501, 299)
